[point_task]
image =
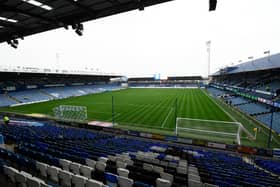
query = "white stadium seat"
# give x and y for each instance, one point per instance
(103, 159)
(42, 168)
(112, 158)
(148, 167)
(11, 173)
(21, 179)
(65, 164)
(100, 166)
(123, 172)
(75, 168)
(90, 163)
(163, 183)
(193, 183)
(193, 177)
(86, 171)
(167, 176)
(79, 181)
(158, 169)
(93, 183)
(210, 185)
(65, 178)
(125, 182)
(121, 164)
(33, 182)
(53, 173)
(182, 170)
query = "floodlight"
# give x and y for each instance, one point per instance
(79, 32)
(141, 5)
(74, 26)
(80, 26)
(13, 43)
(212, 5)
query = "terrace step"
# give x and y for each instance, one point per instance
(48, 94)
(12, 98)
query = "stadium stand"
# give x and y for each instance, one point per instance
(170, 82)
(272, 86)
(265, 118)
(46, 94)
(216, 92)
(29, 96)
(254, 108)
(19, 88)
(238, 100)
(270, 165)
(256, 92)
(57, 155)
(229, 170)
(64, 92)
(5, 101)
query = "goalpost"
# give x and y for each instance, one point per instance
(211, 129)
(70, 113)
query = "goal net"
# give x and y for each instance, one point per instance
(211, 130)
(70, 113)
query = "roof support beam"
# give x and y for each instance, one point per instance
(11, 25)
(15, 31)
(81, 6)
(60, 17)
(16, 10)
(114, 2)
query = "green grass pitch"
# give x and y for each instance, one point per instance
(152, 110)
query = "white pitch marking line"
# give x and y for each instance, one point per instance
(166, 117)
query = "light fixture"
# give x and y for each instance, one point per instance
(38, 4)
(79, 32)
(268, 55)
(74, 26)
(79, 28)
(13, 43)
(8, 19)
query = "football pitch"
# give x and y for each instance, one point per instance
(154, 110)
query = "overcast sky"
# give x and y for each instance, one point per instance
(168, 39)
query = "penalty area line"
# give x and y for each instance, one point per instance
(162, 125)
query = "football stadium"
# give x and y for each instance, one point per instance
(88, 128)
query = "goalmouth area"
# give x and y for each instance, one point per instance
(190, 113)
(215, 130)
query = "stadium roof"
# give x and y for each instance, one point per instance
(141, 79)
(185, 78)
(20, 18)
(14, 76)
(266, 63)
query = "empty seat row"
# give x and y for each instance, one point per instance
(22, 178)
(66, 178)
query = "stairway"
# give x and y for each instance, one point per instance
(48, 94)
(12, 98)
